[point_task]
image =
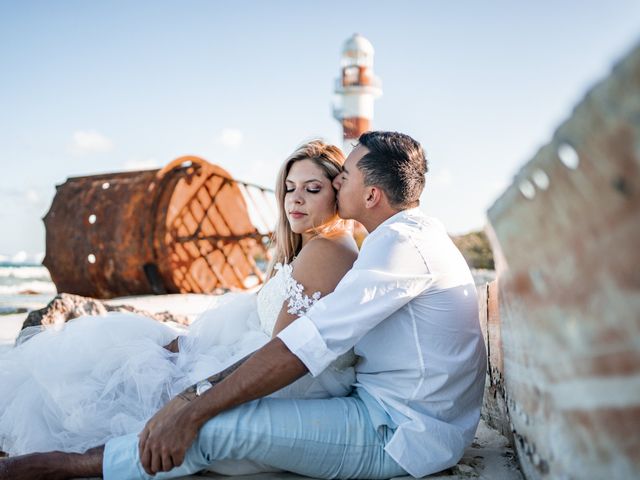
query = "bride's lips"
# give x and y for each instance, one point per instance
(296, 214)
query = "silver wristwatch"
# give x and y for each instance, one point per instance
(202, 387)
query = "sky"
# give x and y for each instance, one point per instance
(91, 87)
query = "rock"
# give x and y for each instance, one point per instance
(65, 307)
(464, 471)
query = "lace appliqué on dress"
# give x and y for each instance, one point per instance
(298, 302)
(282, 288)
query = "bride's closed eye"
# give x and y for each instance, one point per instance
(308, 189)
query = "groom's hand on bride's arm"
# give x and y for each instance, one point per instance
(170, 432)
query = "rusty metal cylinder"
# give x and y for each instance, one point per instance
(185, 228)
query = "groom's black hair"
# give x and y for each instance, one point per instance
(397, 164)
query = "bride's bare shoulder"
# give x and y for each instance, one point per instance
(338, 248)
(324, 261)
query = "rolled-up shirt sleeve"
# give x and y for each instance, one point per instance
(388, 273)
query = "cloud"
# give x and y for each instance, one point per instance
(27, 196)
(258, 171)
(442, 178)
(23, 257)
(32, 196)
(229, 138)
(141, 164)
(89, 141)
(19, 257)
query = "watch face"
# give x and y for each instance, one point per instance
(203, 387)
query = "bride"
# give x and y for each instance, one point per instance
(102, 377)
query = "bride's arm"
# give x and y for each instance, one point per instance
(318, 268)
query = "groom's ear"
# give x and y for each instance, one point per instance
(373, 196)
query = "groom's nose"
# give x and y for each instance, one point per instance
(336, 183)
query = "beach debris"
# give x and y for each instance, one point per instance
(562, 320)
(65, 307)
(187, 228)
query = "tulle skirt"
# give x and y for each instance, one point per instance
(75, 386)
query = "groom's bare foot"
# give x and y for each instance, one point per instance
(52, 465)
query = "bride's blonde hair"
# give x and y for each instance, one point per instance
(288, 243)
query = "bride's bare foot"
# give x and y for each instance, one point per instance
(52, 465)
(173, 346)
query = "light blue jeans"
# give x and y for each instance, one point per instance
(326, 438)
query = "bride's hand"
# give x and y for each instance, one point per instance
(167, 436)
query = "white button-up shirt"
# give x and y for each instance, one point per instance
(409, 308)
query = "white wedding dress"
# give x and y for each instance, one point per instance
(94, 378)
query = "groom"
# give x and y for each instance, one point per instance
(408, 307)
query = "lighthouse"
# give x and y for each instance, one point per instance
(356, 88)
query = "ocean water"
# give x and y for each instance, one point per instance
(24, 287)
